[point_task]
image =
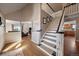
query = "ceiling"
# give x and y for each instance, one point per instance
(11, 7)
(7, 8)
(56, 6)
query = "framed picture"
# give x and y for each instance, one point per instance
(0, 21)
(48, 19)
(44, 20)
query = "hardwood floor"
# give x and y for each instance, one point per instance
(71, 47)
(31, 49)
(27, 48)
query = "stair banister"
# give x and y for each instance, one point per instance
(60, 20)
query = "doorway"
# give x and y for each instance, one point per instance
(26, 29)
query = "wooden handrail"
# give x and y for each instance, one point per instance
(60, 20)
(69, 5)
(62, 16)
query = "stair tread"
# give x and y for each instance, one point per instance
(52, 42)
(53, 34)
(49, 47)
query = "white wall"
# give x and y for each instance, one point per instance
(1, 34)
(1, 37)
(8, 27)
(12, 36)
(32, 13)
(9, 24)
(36, 34)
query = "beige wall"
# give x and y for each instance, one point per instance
(27, 13)
(44, 26)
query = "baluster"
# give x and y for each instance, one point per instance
(69, 9)
(66, 11)
(74, 9)
(58, 45)
(78, 7)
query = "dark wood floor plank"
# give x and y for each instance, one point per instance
(71, 47)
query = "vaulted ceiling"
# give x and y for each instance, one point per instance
(11, 7)
(8, 8)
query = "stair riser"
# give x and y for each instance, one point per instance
(51, 32)
(50, 39)
(50, 35)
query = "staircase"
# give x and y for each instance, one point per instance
(51, 40)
